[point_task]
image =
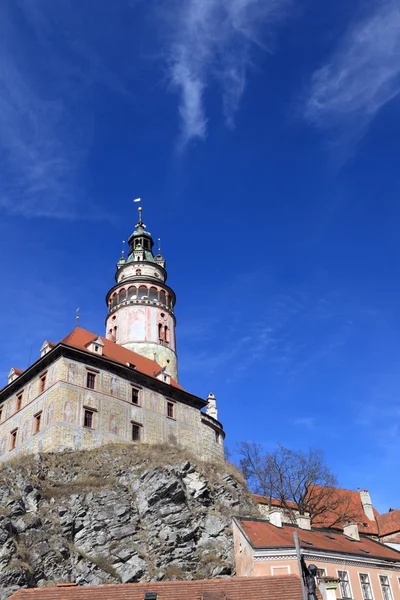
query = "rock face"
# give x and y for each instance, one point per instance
(116, 514)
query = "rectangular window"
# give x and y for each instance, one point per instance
(344, 584)
(37, 420)
(385, 586)
(321, 573)
(135, 396)
(13, 439)
(171, 410)
(366, 586)
(1, 413)
(136, 432)
(18, 403)
(42, 383)
(88, 419)
(91, 380)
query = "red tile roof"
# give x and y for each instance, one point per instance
(285, 587)
(349, 503)
(389, 522)
(262, 534)
(80, 338)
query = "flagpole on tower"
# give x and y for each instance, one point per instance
(139, 210)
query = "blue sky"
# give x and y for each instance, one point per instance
(263, 137)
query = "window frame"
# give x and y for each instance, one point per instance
(171, 403)
(388, 585)
(91, 411)
(18, 401)
(134, 388)
(321, 575)
(90, 373)
(348, 583)
(13, 439)
(42, 382)
(369, 583)
(37, 422)
(140, 431)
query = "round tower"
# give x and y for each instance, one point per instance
(141, 305)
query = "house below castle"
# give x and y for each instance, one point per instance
(89, 390)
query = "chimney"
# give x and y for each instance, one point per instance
(351, 530)
(303, 521)
(367, 504)
(211, 409)
(275, 517)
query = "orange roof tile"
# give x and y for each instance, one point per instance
(80, 338)
(349, 500)
(262, 534)
(279, 587)
(389, 522)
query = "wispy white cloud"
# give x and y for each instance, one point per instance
(50, 61)
(361, 76)
(214, 39)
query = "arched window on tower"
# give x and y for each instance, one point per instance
(132, 293)
(138, 271)
(122, 295)
(166, 334)
(160, 332)
(162, 297)
(153, 294)
(143, 292)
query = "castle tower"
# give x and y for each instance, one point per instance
(141, 305)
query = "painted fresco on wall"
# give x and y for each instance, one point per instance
(24, 432)
(68, 411)
(51, 374)
(114, 386)
(137, 324)
(72, 372)
(50, 412)
(113, 428)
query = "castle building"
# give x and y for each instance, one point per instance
(89, 390)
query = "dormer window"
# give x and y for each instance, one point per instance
(46, 347)
(96, 346)
(13, 374)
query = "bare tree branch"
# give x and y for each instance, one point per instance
(301, 482)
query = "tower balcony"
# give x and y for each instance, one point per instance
(148, 295)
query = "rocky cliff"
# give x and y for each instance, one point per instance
(116, 514)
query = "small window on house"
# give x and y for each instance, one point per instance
(136, 432)
(385, 586)
(13, 439)
(217, 437)
(37, 420)
(366, 586)
(344, 585)
(171, 410)
(18, 404)
(91, 380)
(42, 383)
(88, 419)
(96, 348)
(135, 396)
(321, 573)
